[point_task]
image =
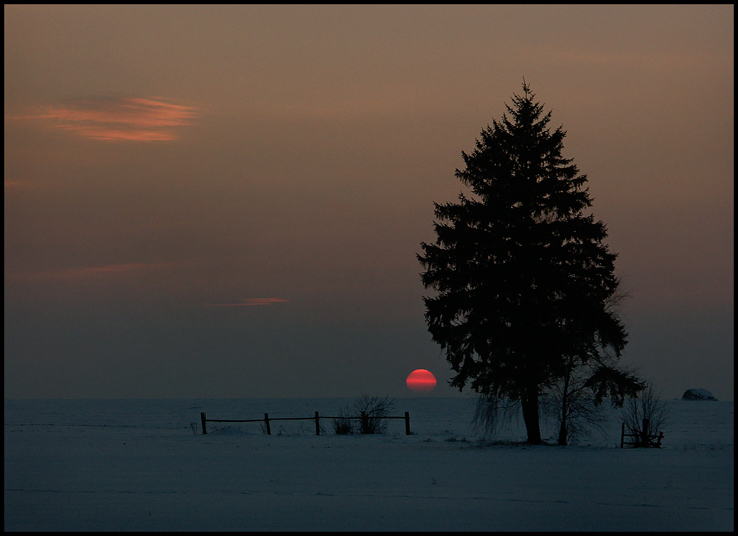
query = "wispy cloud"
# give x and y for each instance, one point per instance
(120, 118)
(87, 271)
(248, 302)
(114, 268)
(11, 184)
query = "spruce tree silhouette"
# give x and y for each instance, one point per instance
(522, 276)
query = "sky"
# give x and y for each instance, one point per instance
(227, 201)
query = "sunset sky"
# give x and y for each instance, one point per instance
(227, 201)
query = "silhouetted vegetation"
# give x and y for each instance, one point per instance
(343, 424)
(375, 410)
(524, 283)
(368, 415)
(646, 408)
(491, 412)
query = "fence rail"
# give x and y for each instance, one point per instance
(364, 418)
(641, 438)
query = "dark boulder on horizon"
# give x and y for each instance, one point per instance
(697, 394)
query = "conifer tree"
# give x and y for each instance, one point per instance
(522, 275)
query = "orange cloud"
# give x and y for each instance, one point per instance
(121, 118)
(8, 184)
(249, 302)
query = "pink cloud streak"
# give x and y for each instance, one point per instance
(248, 302)
(121, 118)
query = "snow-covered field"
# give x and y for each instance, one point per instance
(138, 465)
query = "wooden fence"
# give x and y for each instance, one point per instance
(364, 418)
(641, 438)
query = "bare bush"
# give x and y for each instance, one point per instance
(375, 411)
(342, 424)
(647, 407)
(573, 407)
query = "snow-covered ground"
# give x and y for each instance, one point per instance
(139, 465)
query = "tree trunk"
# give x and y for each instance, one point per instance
(531, 418)
(563, 432)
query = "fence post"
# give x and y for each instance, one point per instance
(622, 436)
(407, 423)
(202, 418)
(644, 439)
(317, 424)
(266, 421)
(364, 423)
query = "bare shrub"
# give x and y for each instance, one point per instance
(375, 411)
(647, 406)
(573, 407)
(342, 424)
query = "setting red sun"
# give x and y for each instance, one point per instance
(421, 380)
